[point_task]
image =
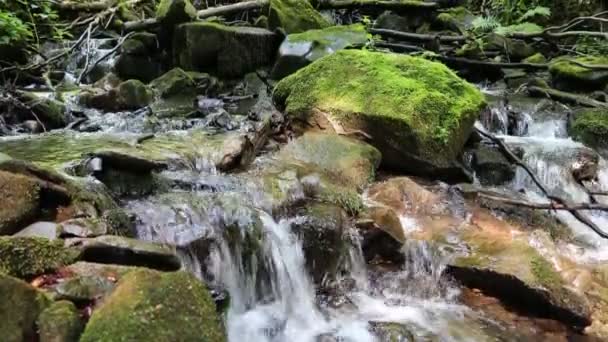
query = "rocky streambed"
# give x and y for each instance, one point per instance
(217, 182)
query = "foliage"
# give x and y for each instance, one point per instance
(29, 21)
(591, 46)
(485, 24)
(539, 11)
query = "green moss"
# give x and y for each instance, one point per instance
(155, 306)
(544, 272)
(172, 12)
(294, 16)
(347, 199)
(60, 322)
(415, 103)
(537, 58)
(519, 28)
(174, 82)
(563, 66)
(133, 94)
(591, 127)
(326, 35)
(20, 305)
(26, 257)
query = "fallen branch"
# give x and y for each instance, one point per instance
(382, 4)
(86, 6)
(202, 14)
(557, 35)
(418, 37)
(555, 201)
(498, 65)
(544, 206)
(86, 70)
(566, 97)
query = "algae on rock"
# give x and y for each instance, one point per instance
(418, 113)
(591, 127)
(20, 305)
(566, 75)
(20, 202)
(154, 306)
(60, 322)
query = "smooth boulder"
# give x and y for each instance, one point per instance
(294, 16)
(418, 113)
(21, 202)
(20, 305)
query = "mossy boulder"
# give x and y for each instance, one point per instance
(228, 51)
(20, 305)
(567, 75)
(173, 82)
(128, 95)
(60, 322)
(51, 112)
(516, 49)
(139, 58)
(491, 166)
(155, 306)
(537, 58)
(172, 12)
(405, 22)
(27, 257)
(457, 19)
(294, 16)
(300, 49)
(349, 161)
(21, 202)
(590, 126)
(418, 113)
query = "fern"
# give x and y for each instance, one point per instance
(523, 27)
(485, 24)
(539, 11)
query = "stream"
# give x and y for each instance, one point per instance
(228, 236)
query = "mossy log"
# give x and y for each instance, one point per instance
(566, 97)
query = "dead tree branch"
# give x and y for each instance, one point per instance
(566, 97)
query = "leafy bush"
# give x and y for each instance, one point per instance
(29, 21)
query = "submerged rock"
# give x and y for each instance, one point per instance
(229, 51)
(300, 49)
(20, 305)
(149, 305)
(60, 322)
(21, 202)
(27, 257)
(294, 16)
(491, 166)
(566, 75)
(418, 113)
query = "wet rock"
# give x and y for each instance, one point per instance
(26, 257)
(139, 58)
(569, 76)
(221, 119)
(406, 23)
(226, 50)
(537, 58)
(491, 166)
(83, 289)
(388, 220)
(20, 305)
(427, 146)
(510, 268)
(323, 230)
(128, 162)
(172, 12)
(84, 227)
(516, 49)
(208, 105)
(111, 249)
(300, 49)
(174, 82)
(585, 168)
(21, 202)
(392, 332)
(350, 161)
(590, 126)
(457, 19)
(60, 322)
(382, 235)
(128, 95)
(237, 152)
(33, 126)
(404, 195)
(47, 230)
(52, 113)
(149, 305)
(294, 16)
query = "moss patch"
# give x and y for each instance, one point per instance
(27, 257)
(591, 127)
(570, 76)
(294, 16)
(20, 202)
(407, 104)
(154, 306)
(60, 322)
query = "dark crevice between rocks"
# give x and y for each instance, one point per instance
(127, 257)
(517, 295)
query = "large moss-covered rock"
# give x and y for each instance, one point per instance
(349, 161)
(418, 113)
(591, 127)
(154, 306)
(294, 16)
(20, 305)
(567, 75)
(172, 12)
(21, 202)
(26, 257)
(139, 58)
(173, 82)
(226, 50)
(51, 112)
(300, 49)
(128, 95)
(60, 322)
